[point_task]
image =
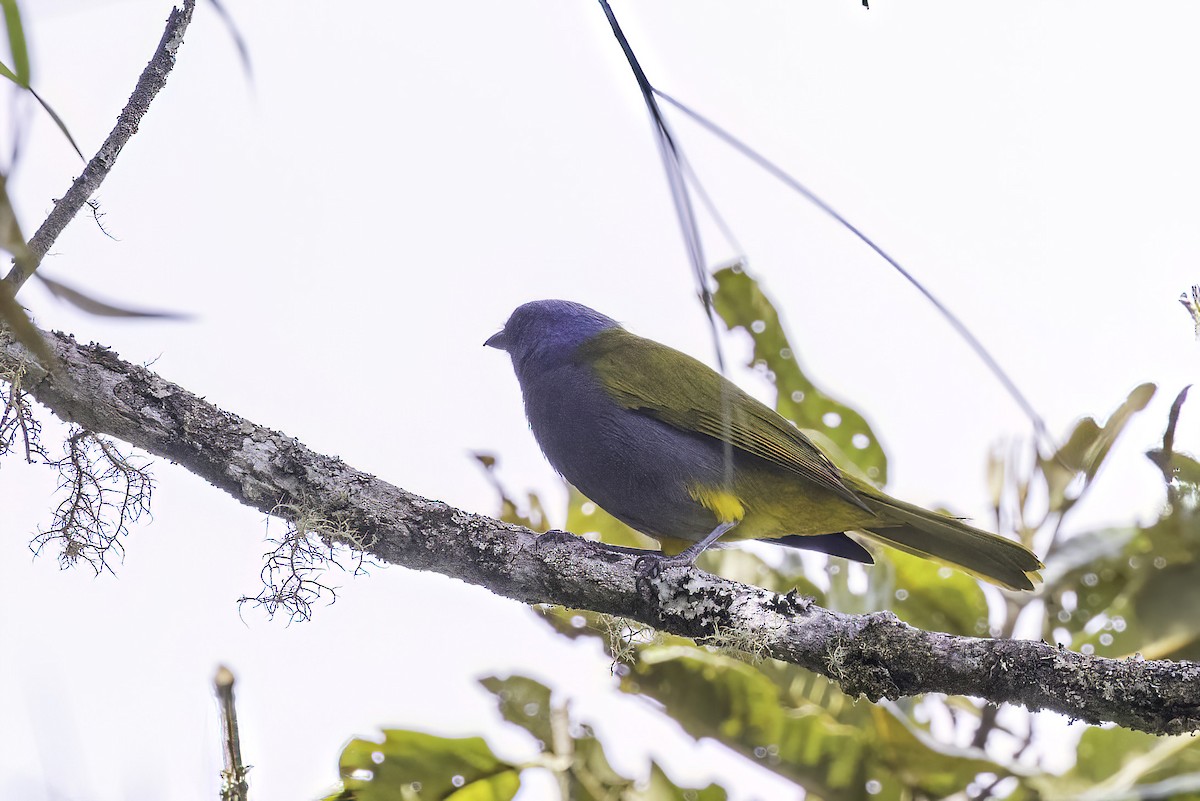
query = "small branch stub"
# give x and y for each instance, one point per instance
(234, 785)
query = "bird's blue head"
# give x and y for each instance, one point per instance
(548, 331)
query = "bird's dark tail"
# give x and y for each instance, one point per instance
(946, 539)
(832, 544)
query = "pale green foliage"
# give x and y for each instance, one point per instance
(841, 431)
(408, 766)
(411, 765)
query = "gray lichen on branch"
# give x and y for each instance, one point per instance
(106, 490)
(17, 422)
(312, 542)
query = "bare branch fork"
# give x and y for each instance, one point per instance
(874, 655)
(153, 78)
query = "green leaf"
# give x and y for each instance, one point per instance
(919, 761)
(1150, 618)
(591, 777)
(937, 598)
(1136, 580)
(11, 238)
(412, 765)
(62, 126)
(20, 74)
(572, 623)
(1084, 553)
(1138, 399)
(660, 788)
(714, 692)
(91, 305)
(1117, 763)
(1088, 446)
(1182, 469)
(524, 702)
(12, 314)
(588, 776)
(741, 303)
(17, 320)
(801, 726)
(1069, 462)
(713, 695)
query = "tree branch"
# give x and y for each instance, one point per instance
(153, 78)
(875, 655)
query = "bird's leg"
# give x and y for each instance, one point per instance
(689, 554)
(652, 565)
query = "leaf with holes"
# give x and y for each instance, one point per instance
(808, 732)
(936, 598)
(1118, 763)
(742, 304)
(524, 702)
(409, 764)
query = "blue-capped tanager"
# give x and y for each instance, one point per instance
(676, 451)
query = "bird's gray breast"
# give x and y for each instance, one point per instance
(633, 466)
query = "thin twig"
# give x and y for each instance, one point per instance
(153, 78)
(234, 786)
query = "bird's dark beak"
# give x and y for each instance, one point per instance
(496, 341)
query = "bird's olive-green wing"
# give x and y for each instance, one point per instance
(673, 387)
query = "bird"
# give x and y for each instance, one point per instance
(678, 452)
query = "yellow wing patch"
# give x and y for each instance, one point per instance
(725, 505)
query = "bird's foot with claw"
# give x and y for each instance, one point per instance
(648, 567)
(652, 565)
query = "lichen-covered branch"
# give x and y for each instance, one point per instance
(874, 655)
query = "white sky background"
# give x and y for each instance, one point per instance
(350, 229)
